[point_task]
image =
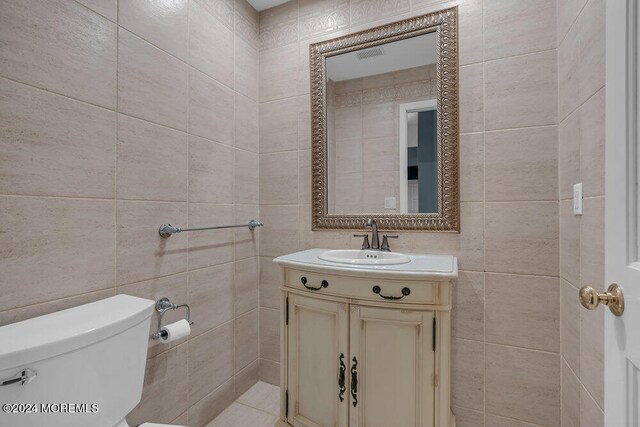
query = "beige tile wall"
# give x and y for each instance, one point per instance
(510, 239)
(84, 105)
(581, 113)
(116, 117)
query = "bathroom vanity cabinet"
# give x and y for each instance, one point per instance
(365, 346)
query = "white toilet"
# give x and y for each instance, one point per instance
(94, 354)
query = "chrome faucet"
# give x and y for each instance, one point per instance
(375, 240)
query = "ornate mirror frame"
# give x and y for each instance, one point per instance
(444, 23)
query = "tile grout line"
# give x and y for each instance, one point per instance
(49, 91)
(519, 55)
(571, 25)
(98, 13)
(517, 347)
(515, 419)
(116, 111)
(253, 407)
(115, 158)
(582, 386)
(517, 128)
(560, 228)
(81, 295)
(105, 199)
(186, 61)
(188, 343)
(484, 224)
(276, 389)
(579, 106)
(234, 356)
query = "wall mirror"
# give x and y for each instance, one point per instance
(384, 118)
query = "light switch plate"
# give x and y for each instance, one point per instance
(389, 202)
(577, 199)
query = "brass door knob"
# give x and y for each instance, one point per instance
(613, 298)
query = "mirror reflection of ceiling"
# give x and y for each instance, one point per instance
(261, 5)
(386, 58)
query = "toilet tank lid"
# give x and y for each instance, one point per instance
(40, 338)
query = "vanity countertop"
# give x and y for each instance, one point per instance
(421, 266)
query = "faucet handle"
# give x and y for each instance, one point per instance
(385, 241)
(365, 242)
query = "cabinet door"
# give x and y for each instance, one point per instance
(392, 358)
(317, 344)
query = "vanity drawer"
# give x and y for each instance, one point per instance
(401, 291)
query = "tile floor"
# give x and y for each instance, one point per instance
(257, 407)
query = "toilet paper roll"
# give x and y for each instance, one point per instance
(175, 331)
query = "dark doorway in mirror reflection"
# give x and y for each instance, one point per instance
(422, 163)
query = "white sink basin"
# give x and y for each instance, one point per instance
(379, 264)
(364, 257)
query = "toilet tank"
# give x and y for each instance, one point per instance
(86, 365)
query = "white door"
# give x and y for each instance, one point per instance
(392, 368)
(317, 362)
(622, 260)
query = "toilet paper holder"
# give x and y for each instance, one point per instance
(162, 306)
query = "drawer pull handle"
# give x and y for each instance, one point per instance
(341, 378)
(324, 284)
(405, 291)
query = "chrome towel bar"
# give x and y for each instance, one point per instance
(167, 230)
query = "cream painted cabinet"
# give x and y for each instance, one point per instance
(364, 351)
(352, 365)
(391, 351)
(318, 334)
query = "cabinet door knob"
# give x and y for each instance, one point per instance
(405, 291)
